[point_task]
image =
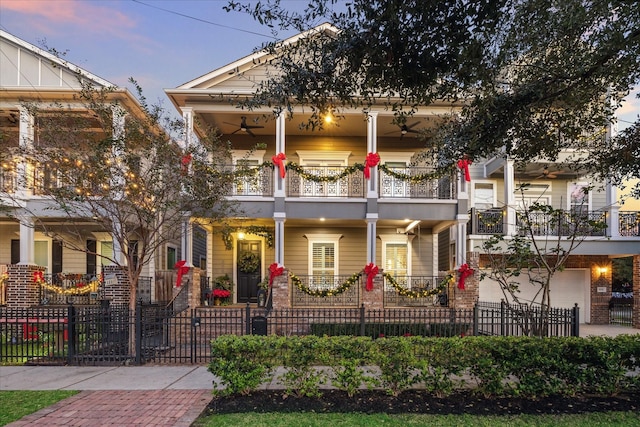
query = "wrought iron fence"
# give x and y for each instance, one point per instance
(500, 318)
(69, 288)
(351, 185)
(413, 289)
(567, 224)
(254, 181)
(395, 187)
(108, 334)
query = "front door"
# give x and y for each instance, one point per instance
(248, 270)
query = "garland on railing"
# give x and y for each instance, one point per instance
(414, 179)
(80, 288)
(250, 171)
(405, 292)
(333, 178)
(325, 292)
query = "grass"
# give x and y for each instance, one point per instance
(603, 419)
(17, 404)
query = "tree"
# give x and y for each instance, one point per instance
(533, 254)
(535, 77)
(111, 167)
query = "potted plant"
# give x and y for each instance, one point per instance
(222, 289)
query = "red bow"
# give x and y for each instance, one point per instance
(465, 271)
(274, 271)
(464, 164)
(278, 161)
(182, 269)
(371, 270)
(38, 276)
(372, 160)
(184, 162)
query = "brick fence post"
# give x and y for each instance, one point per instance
(116, 291)
(373, 299)
(22, 289)
(467, 297)
(280, 291)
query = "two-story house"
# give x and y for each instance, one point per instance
(312, 208)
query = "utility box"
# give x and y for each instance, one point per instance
(259, 325)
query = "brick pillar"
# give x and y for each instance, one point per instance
(195, 293)
(636, 291)
(373, 299)
(22, 290)
(467, 297)
(116, 285)
(280, 292)
(600, 293)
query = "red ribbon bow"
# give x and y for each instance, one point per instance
(184, 162)
(274, 271)
(182, 269)
(372, 160)
(371, 270)
(278, 161)
(465, 271)
(464, 165)
(38, 276)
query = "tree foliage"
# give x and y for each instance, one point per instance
(534, 76)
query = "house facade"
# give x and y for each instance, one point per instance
(327, 203)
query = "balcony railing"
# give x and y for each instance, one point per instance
(349, 186)
(256, 181)
(394, 187)
(415, 286)
(491, 221)
(349, 298)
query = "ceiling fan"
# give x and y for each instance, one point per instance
(405, 129)
(244, 127)
(545, 173)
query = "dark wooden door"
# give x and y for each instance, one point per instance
(248, 270)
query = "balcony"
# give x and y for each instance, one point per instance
(491, 221)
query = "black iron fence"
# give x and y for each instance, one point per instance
(500, 318)
(110, 334)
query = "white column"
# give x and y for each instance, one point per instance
(509, 221)
(372, 221)
(27, 245)
(372, 147)
(279, 218)
(187, 240)
(461, 239)
(26, 141)
(118, 255)
(187, 116)
(613, 207)
(280, 184)
(118, 180)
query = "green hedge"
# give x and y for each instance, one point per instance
(377, 330)
(493, 366)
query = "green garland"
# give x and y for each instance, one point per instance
(326, 292)
(315, 178)
(258, 230)
(402, 291)
(249, 262)
(414, 179)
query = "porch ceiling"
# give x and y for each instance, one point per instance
(333, 223)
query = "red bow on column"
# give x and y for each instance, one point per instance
(465, 271)
(371, 270)
(38, 277)
(182, 269)
(184, 162)
(372, 160)
(464, 165)
(274, 271)
(278, 161)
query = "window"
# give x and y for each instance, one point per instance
(106, 250)
(579, 198)
(323, 256)
(484, 196)
(41, 253)
(171, 258)
(323, 163)
(396, 256)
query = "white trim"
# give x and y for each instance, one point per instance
(472, 195)
(397, 239)
(589, 194)
(392, 156)
(324, 238)
(238, 155)
(306, 156)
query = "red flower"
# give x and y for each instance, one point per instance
(221, 293)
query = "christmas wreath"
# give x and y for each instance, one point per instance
(248, 262)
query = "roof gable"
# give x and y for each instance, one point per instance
(23, 65)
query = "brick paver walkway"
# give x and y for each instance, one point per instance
(161, 408)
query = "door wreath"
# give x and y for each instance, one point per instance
(248, 262)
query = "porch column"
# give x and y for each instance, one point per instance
(509, 220)
(613, 210)
(461, 239)
(636, 292)
(187, 240)
(26, 138)
(187, 116)
(279, 218)
(280, 183)
(372, 220)
(372, 147)
(27, 245)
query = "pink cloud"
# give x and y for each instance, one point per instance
(90, 17)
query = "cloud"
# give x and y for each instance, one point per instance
(62, 15)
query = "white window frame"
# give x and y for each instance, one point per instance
(481, 181)
(570, 185)
(324, 238)
(307, 156)
(537, 191)
(397, 239)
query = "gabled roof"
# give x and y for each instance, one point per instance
(249, 62)
(55, 73)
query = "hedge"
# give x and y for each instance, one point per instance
(493, 366)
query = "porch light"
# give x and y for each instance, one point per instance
(602, 270)
(241, 236)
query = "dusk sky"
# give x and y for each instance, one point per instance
(160, 43)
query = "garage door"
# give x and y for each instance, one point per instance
(568, 288)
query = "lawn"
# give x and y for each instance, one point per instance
(17, 404)
(604, 419)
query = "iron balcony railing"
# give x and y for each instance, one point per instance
(391, 186)
(349, 186)
(491, 221)
(413, 289)
(324, 284)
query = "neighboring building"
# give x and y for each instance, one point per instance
(324, 230)
(31, 75)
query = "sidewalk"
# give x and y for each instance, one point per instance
(152, 395)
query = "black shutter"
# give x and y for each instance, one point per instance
(92, 247)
